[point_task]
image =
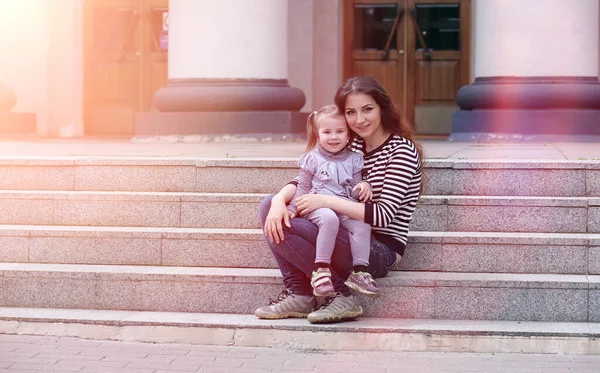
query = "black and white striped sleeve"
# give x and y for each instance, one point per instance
(396, 182)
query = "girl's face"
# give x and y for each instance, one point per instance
(363, 115)
(333, 133)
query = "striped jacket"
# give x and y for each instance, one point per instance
(394, 172)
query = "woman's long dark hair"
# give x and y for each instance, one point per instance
(390, 115)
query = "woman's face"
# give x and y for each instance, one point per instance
(363, 115)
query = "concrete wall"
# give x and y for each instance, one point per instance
(315, 49)
(65, 68)
(327, 62)
(300, 48)
(42, 61)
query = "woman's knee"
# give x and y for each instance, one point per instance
(382, 260)
(264, 207)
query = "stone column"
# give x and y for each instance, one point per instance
(536, 69)
(227, 71)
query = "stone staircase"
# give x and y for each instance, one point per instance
(491, 242)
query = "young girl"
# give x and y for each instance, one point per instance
(329, 167)
(393, 167)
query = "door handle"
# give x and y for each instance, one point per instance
(128, 33)
(426, 53)
(384, 54)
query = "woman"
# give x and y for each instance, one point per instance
(393, 168)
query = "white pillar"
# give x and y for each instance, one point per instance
(228, 39)
(228, 55)
(536, 71)
(536, 38)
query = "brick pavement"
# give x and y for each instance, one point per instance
(51, 354)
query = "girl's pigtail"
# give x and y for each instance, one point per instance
(312, 132)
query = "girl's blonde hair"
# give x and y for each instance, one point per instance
(312, 124)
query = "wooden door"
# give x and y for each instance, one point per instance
(370, 26)
(155, 47)
(124, 62)
(438, 58)
(428, 58)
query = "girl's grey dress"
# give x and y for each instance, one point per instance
(336, 174)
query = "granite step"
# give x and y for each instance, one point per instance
(231, 175)
(421, 295)
(480, 252)
(374, 334)
(215, 210)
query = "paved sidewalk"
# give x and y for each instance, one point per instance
(434, 149)
(50, 354)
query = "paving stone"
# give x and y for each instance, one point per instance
(517, 219)
(594, 306)
(511, 304)
(14, 249)
(430, 217)
(438, 180)
(401, 302)
(90, 250)
(594, 220)
(518, 182)
(422, 257)
(221, 253)
(117, 213)
(26, 211)
(43, 292)
(136, 177)
(220, 215)
(244, 179)
(594, 260)
(515, 259)
(592, 183)
(46, 177)
(206, 296)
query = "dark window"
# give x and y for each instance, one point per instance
(373, 24)
(440, 25)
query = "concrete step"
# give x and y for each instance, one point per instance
(231, 175)
(422, 295)
(495, 252)
(373, 334)
(216, 210)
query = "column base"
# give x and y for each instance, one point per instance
(518, 107)
(18, 123)
(210, 95)
(247, 124)
(522, 124)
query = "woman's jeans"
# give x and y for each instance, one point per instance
(295, 255)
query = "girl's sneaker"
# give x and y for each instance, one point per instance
(321, 283)
(363, 283)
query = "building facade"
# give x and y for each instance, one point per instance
(160, 67)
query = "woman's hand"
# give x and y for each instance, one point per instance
(364, 191)
(310, 202)
(278, 213)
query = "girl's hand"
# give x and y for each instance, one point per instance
(278, 213)
(364, 191)
(310, 202)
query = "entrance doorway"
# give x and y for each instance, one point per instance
(125, 62)
(419, 50)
